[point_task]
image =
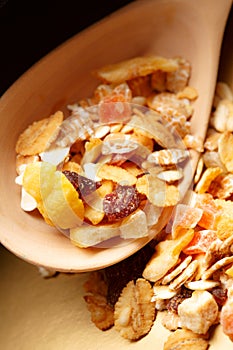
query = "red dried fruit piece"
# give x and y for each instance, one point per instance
(82, 184)
(211, 212)
(118, 275)
(200, 242)
(121, 202)
(114, 109)
(174, 302)
(220, 295)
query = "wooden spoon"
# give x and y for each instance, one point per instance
(191, 29)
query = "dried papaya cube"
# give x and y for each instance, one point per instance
(211, 212)
(200, 242)
(185, 217)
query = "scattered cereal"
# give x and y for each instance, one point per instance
(134, 311)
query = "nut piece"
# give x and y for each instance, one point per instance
(171, 156)
(199, 312)
(134, 311)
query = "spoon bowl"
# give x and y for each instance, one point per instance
(191, 29)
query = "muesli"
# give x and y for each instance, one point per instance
(190, 270)
(112, 166)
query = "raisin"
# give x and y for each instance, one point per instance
(173, 303)
(82, 184)
(117, 276)
(121, 202)
(220, 295)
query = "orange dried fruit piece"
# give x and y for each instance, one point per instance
(211, 212)
(166, 255)
(185, 217)
(37, 136)
(135, 67)
(201, 241)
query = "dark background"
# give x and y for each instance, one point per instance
(29, 29)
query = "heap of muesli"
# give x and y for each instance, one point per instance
(188, 275)
(117, 161)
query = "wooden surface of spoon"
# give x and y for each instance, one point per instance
(190, 29)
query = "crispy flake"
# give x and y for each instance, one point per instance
(116, 174)
(135, 67)
(177, 270)
(134, 311)
(36, 138)
(186, 275)
(183, 339)
(225, 145)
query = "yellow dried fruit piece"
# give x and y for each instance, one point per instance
(105, 188)
(37, 136)
(208, 176)
(63, 205)
(225, 147)
(166, 255)
(93, 215)
(138, 66)
(116, 174)
(94, 206)
(134, 225)
(32, 184)
(56, 198)
(88, 235)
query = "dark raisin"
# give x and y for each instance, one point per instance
(82, 184)
(121, 202)
(220, 295)
(173, 303)
(118, 275)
